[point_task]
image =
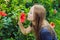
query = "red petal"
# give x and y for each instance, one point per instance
(2, 13)
(52, 24)
(23, 17)
(22, 20)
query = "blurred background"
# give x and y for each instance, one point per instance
(11, 9)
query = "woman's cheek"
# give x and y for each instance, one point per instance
(30, 17)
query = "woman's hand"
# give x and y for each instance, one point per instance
(19, 23)
(25, 31)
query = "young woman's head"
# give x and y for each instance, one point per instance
(36, 10)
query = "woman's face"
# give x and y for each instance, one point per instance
(30, 14)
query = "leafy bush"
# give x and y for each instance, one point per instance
(9, 29)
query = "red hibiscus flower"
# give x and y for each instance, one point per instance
(22, 17)
(2, 13)
(52, 24)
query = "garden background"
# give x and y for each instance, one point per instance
(9, 29)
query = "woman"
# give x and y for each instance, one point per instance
(39, 25)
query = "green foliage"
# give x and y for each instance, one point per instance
(9, 29)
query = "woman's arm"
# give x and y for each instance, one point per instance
(25, 31)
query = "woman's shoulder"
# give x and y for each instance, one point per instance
(44, 30)
(46, 33)
(45, 26)
(45, 23)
